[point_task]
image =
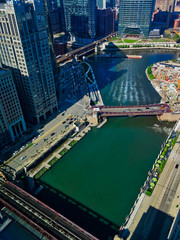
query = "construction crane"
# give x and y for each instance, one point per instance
(177, 32)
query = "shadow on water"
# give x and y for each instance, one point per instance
(77, 212)
(108, 63)
(154, 224)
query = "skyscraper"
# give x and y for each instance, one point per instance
(165, 5)
(80, 19)
(12, 123)
(25, 49)
(101, 4)
(134, 16)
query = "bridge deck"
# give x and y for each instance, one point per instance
(54, 223)
(140, 110)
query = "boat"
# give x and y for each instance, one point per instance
(156, 125)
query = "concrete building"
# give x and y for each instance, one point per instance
(25, 49)
(174, 233)
(105, 21)
(12, 123)
(101, 4)
(80, 20)
(135, 17)
(165, 5)
(60, 47)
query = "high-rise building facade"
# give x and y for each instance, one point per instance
(110, 3)
(25, 49)
(105, 21)
(53, 16)
(12, 123)
(101, 4)
(135, 15)
(165, 5)
(80, 20)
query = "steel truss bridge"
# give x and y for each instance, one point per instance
(44, 219)
(132, 111)
(83, 50)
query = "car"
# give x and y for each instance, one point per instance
(66, 126)
(15, 152)
(23, 157)
(70, 122)
(63, 114)
(64, 122)
(52, 134)
(35, 144)
(45, 139)
(41, 134)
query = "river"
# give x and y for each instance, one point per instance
(106, 169)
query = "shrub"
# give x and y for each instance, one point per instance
(55, 159)
(41, 172)
(149, 192)
(63, 151)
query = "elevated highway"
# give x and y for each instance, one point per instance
(132, 111)
(40, 216)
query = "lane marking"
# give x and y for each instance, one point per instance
(162, 184)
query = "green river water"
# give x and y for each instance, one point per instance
(106, 169)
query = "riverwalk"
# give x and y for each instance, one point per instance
(153, 215)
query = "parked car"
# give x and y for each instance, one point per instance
(23, 157)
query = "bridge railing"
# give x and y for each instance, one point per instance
(12, 186)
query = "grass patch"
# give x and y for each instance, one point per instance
(62, 144)
(130, 40)
(120, 41)
(149, 72)
(55, 159)
(113, 39)
(151, 76)
(73, 143)
(63, 151)
(160, 40)
(59, 147)
(161, 167)
(29, 145)
(173, 142)
(40, 173)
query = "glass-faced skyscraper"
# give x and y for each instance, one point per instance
(135, 16)
(80, 19)
(24, 48)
